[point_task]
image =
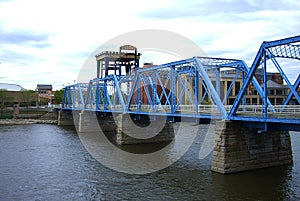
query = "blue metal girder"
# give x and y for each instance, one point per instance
(119, 93)
(285, 41)
(286, 51)
(264, 126)
(73, 96)
(211, 88)
(175, 63)
(265, 94)
(290, 95)
(173, 89)
(131, 94)
(173, 79)
(245, 85)
(262, 55)
(211, 62)
(284, 77)
(231, 86)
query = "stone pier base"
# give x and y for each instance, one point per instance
(88, 122)
(65, 118)
(123, 129)
(130, 131)
(239, 149)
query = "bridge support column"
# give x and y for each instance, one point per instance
(88, 122)
(65, 118)
(131, 131)
(238, 148)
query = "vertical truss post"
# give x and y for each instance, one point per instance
(97, 96)
(105, 95)
(231, 86)
(81, 97)
(154, 90)
(72, 96)
(243, 98)
(173, 89)
(138, 91)
(114, 96)
(196, 81)
(218, 87)
(254, 81)
(265, 96)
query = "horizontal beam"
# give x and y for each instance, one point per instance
(268, 44)
(261, 126)
(266, 120)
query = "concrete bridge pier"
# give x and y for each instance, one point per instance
(65, 118)
(238, 148)
(123, 129)
(88, 122)
(143, 130)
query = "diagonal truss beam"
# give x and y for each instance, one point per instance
(269, 50)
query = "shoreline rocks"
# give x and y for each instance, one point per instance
(26, 121)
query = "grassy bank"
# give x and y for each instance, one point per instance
(7, 113)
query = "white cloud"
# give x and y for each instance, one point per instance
(64, 32)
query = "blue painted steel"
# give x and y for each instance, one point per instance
(290, 95)
(196, 83)
(231, 86)
(218, 86)
(98, 96)
(81, 96)
(266, 51)
(285, 77)
(265, 96)
(119, 93)
(285, 41)
(173, 88)
(211, 89)
(245, 85)
(167, 89)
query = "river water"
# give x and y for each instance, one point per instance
(47, 162)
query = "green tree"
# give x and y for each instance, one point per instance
(58, 96)
(4, 98)
(28, 96)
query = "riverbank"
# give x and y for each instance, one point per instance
(26, 121)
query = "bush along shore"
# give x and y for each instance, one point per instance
(48, 118)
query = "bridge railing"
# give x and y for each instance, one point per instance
(258, 109)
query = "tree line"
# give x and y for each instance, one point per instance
(25, 98)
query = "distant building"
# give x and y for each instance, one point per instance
(277, 91)
(11, 87)
(16, 94)
(45, 91)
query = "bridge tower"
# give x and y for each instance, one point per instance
(118, 63)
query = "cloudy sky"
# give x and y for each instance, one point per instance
(47, 42)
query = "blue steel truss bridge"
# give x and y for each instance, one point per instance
(193, 89)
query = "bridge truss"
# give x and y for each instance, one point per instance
(192, 88)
